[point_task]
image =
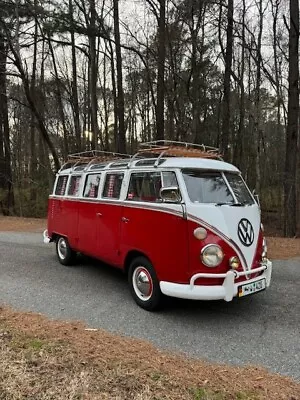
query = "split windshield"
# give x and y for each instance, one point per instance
(212, 187)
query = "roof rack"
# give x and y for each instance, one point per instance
(155, 149)
(88, 158)
(168, 148)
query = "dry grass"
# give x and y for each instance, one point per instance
(283, 248)
(19, 224)
(42, 359)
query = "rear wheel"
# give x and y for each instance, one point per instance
(65, 254)
(144, 285)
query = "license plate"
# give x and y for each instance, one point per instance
(250, 288)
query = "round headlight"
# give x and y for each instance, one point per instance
(212, 255)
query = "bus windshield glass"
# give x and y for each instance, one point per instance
(216, 187)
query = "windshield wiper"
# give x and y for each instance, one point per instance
(230, 204)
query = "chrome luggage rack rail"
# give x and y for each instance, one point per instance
(156, 150)
(169, 148)
(87, 158)
(179, 149)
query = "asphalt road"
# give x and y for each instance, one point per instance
(263, 329)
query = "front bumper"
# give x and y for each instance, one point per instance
(226, 291)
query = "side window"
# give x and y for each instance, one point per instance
(61, 185)
(169, 179)
(144, 186)
(74, 185)
(92, 186)
(112, 186)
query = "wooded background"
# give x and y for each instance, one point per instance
(106, 74)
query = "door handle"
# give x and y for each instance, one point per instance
(124, 219)
(98, 215)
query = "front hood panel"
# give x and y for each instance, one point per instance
(239, 226)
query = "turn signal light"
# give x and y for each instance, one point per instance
(234, 262)
(200, 233)
(265, 249)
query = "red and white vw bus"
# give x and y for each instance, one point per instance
(178, 220)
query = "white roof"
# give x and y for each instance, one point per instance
(172, 162)
(201, 163)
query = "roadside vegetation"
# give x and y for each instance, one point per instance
(43, 359)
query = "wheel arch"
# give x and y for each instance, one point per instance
(55, 236)
(130, 256)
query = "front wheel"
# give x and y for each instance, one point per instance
(65, 254)
(144, 285)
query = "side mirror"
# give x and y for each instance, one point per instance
(256, 197)
(170, 194)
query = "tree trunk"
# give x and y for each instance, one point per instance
(60, 104)
(257, 130)
(172, 95)
(114, 93)
(44, 168)
(239, 144)
(93, 76)
(105, 106)
(275, 11)
(6, 183)
(278, 87)
(74, 84)
(195, 72)
(225, 137)
(14, 48)
(290, 197)
(160, 106)
(121, 143)
(33, 156)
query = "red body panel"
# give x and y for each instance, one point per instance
(92, 227)
(196, 266)
(109, 224)
(161, 236)
(88, 228)
(63, 218)
(109, 230)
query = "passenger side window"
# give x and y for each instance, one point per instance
(74, 185)
(61, 185)
(113, 185)
(92, 186)
(144, 186)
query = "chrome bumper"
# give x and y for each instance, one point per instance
(226, 291)
(46, 237)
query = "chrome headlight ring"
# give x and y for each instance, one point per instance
(212, 255)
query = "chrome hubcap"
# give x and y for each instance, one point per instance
(62, 248)
(142, 283)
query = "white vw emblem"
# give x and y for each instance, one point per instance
(245, 232)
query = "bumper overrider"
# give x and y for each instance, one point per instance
(226, 291)
(46, 238)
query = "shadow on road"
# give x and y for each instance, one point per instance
(250, 306)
